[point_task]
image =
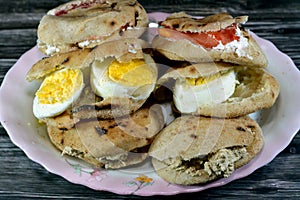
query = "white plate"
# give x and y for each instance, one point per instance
(279, 125)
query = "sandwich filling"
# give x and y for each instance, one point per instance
(192, 93)
(134, 79)
(220, 163)
(207, 39)
(216, 32)
(124, 158)
(90, 42)
(229, 39)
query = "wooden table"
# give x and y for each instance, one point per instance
(21, 178)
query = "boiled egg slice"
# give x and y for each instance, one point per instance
(57, 92)
(135, 79)
(192, 93)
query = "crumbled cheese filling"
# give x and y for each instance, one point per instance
(83, 44)
(220, 163)
(86, 43)
(238, 46)
(72, 152)
(112, 158)
(50, 49)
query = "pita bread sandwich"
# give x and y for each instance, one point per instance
(220, 89)
(88, 23)
(111, 144)
(121, 80)
(218, 37)
(195, 150)
(101, 83)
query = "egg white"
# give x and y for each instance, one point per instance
(188, 98)
(41, 111)
(103, 86)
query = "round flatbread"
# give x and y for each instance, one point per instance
(194, 150)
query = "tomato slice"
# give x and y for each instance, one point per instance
(73, 6)
(208, 39)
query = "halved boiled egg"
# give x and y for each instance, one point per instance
(192, 93)
(134, 79)
(57, 92)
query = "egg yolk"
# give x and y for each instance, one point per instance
(204, 80)
(134, 73)
(59, 86)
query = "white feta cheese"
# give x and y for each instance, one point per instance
(87, 43)
(83, 44)
(51, 50)
(238, 46)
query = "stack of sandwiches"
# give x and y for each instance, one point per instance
(103, 91)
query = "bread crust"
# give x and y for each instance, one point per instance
(190, 137)
(124, 51)
(47, 65)
(186, 23)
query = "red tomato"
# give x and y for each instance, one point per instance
(81, 5)
(208, 39)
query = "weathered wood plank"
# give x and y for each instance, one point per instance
(19, 20)
(43, 5)
(28, 6)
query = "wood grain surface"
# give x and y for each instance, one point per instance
(21, 178)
